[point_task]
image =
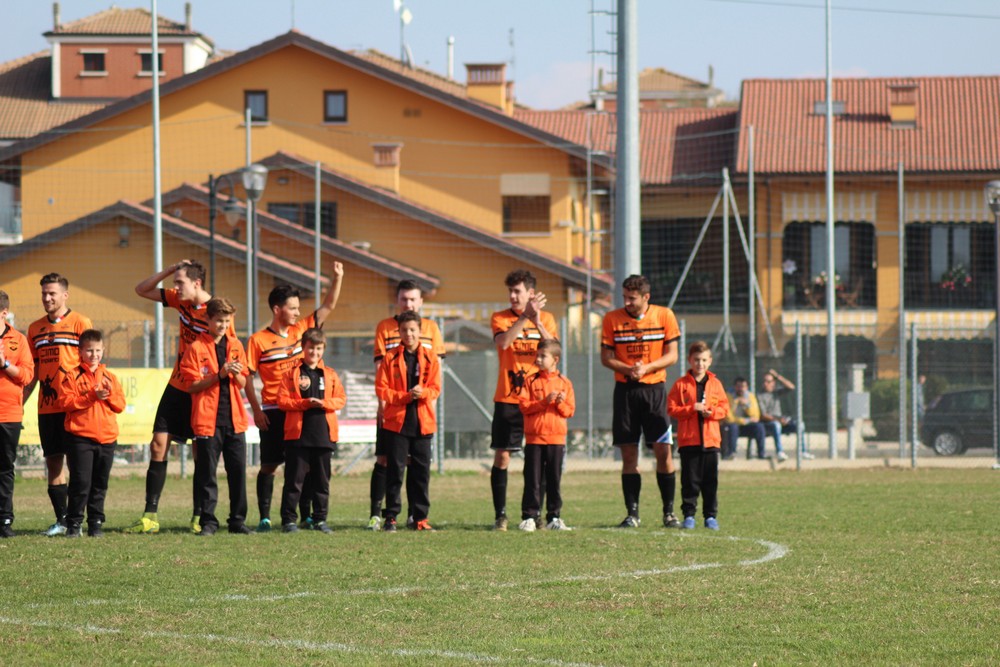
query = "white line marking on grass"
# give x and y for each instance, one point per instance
(326, 647)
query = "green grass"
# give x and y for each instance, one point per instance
(882, 567)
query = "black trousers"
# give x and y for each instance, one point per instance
(89, 470)
(418, 449)
(232, 447)
(699, 477)
(10, 435)
(542, 471)
(301, 463)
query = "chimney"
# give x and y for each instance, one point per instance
(187, 16)
(903, 105)
(451, 58)
(386, 159)
(711, 76)
(487, 83)
(56, 17)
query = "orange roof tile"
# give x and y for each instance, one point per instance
(119, 21)
(677, 144)
(25, 105)
(426, 76)
(958, 121)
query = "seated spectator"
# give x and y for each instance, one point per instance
(743, 420)
(776, 423)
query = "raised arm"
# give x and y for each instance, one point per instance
(148, 288)
(332, 295)
(785, 382)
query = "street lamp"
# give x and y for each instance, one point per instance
(993, 201)
(231, 209)
(254, 181)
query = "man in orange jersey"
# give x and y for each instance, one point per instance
(408, 382)
(638, 343)
(271, 352)
(409, 298)
(91, 395)
(16, 372)
(55, 344)
(516, 333)
(214, 370)
(173, 414)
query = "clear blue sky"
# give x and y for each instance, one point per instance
(741, 38)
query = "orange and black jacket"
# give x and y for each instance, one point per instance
(680, 406)
(290, 400)
(86, 415)
(17, 352)
(390, 387)
(545, 423)
(199, 361)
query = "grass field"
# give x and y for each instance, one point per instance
(835, 567)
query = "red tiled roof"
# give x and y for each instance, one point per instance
(958, 122)
(677, 144)
(426, 76)
(25, 106)
(119, 21)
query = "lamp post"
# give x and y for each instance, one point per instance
(254, 181)
(993, 200)
(230, 209)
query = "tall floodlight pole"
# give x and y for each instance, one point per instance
(628, 259)
(831, 282)
(993, 199)
(157, 193)
(752, 258)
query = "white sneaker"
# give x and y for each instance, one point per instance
(782, 457)
(806, 456)
(557, 524)
(528, 525)
(55, 530)
(374, 523)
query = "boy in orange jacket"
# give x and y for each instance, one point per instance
(91, 396)
(698, 401)
(407, 383)
(17, 370)
(214, 370)
(310, 395)
(546, 404)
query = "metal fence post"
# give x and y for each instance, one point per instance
(439, 436)
(913, 395)
(800, 434)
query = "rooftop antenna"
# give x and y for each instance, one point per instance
(405, 16)
(513, 52)
(293, 14)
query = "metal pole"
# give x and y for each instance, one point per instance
(251, 295)
(996, 335)
(157, 193)
(563, 334)
(726, 327)
(628, 259)
(913, 395)
(831, 287)
(317, 243)
(800, 433)
(752, 260)
(212, 201)
(900, 232)
(440, 435)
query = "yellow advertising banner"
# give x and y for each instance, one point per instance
(143, 388)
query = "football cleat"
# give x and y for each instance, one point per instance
(528, 525)
(500, 524)
(146, 524)
(389, 526)
(289, 528)
(374, 523)
(196, 524)
(711, 523)
(688, 523)
(423, 524)
(629, 522)
(670, 521)
(264, 526)
(56, 529)
(557, 524)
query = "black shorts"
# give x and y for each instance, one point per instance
(639, 409)
(382, 440)
(272, 441)
(173, 414)
(508, 427)
(52, 433)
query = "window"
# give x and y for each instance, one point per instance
(335, 106)
(93, 62)
(805, 270)
(146, 63)
(256, 101)
(949, 265)
(303, 214)
(526, 214)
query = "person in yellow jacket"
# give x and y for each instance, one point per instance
(547, 403)
(743, 420)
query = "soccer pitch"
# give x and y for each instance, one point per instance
(877, 566)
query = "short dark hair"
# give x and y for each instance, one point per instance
(280, 295)
(194, 270)
(4, 303)
(740, 379)
(50, 278)
(219, 306)
(519, 276)
(407, 285)
(636, 283)
(409, 316)
(313, 336)
(698, 347)
(550, 345)
(91, 336)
